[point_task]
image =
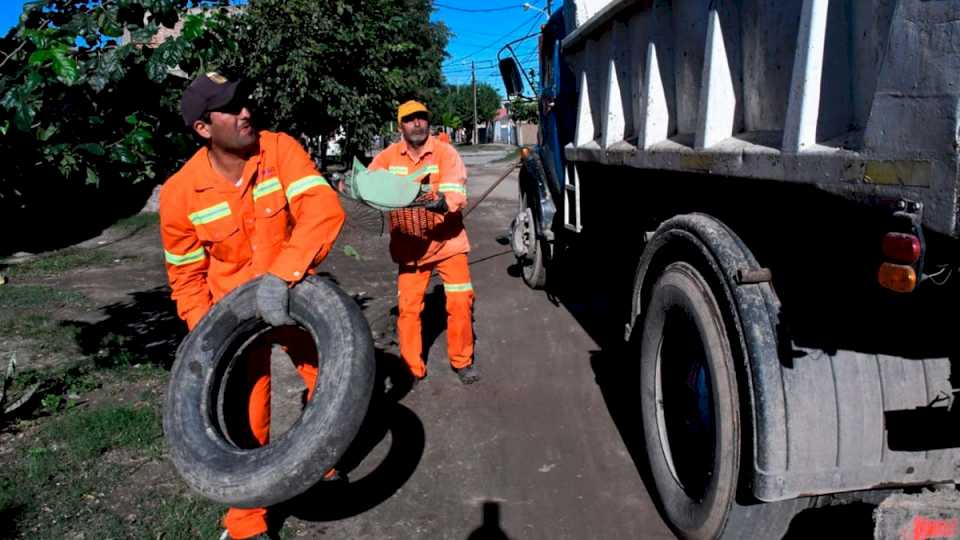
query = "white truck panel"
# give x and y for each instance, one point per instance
(861, 97)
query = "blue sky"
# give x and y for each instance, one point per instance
(479, 30)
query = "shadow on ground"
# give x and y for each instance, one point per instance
(490, 528)
(330, 501)
(143, 330)
(824, 272)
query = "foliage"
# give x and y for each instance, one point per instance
(88, 94)
(358, 62)
(522, 110)
(454, 104)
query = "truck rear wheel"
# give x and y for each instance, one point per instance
(691, 414)
(529, 247)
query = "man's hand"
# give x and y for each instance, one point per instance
(438, 205)
(455, 201)
(273, 301)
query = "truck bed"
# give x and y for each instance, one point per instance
(858, 98)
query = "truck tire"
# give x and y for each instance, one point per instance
(209, 459)
(690, 406)
(533, 264)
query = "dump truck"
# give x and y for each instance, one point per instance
(785, 174)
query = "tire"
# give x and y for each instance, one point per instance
(225, 468)
(533, 265)
(690, 406)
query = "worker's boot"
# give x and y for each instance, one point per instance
(468, 375)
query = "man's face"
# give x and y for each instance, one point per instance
(229, 128)
(415, 128)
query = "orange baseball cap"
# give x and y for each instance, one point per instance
(410, 107)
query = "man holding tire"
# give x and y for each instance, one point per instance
(430, 238)
(246, 204)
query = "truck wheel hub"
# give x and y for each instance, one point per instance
(523, 233)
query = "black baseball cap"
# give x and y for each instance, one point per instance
(207, 93)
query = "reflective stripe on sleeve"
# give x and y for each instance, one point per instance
(196, 255)
(303, 184)
(457, 188)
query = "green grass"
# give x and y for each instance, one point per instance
(48, 333)
(186, 517)
(36, 297)
(85, 435)
(76, 471)
(64, 260)
(138, 221)
(61, 484)
(63, 463)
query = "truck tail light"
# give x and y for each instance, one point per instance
(901, 248)
(897, 277)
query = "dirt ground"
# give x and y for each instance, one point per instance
(547, 445)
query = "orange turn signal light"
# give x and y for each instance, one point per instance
(897, 277)
(901, 248)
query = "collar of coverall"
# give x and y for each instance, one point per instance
(427, 147)
(211, 179)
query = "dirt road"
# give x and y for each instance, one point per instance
(535, 450)
(529, 452)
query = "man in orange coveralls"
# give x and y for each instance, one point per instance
(246, 204)
(422, 240)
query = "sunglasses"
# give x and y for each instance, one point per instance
(415, 116)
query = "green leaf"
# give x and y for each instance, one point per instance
(123, 155)
(45, 134)
(5, 127)
(39, 57)
(23, 117)
(131, 119)
(92, 178)
(349, 251)
(109, 26)
(145, 34)
(140, 138)
(193, 27)
(64, 65)
(95, 149)
(40, 38)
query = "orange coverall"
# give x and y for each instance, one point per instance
(421, 240)
(280, 217)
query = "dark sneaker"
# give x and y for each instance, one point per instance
(468, 375)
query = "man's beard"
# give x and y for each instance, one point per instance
(416, 137)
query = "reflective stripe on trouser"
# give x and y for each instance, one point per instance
(411, 285)
(247, 522)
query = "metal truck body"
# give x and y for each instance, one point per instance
(857, 101)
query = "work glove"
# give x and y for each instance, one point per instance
(438, 205)
(273, 301)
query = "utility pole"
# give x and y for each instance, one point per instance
(473, 67)
(549, 8)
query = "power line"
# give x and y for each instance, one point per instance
(489, 10)
(499, 40)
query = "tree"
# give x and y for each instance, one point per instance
(524, 110)
(88, 97)
(457, 101)
(326, 65)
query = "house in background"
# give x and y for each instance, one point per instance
(502, 129)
